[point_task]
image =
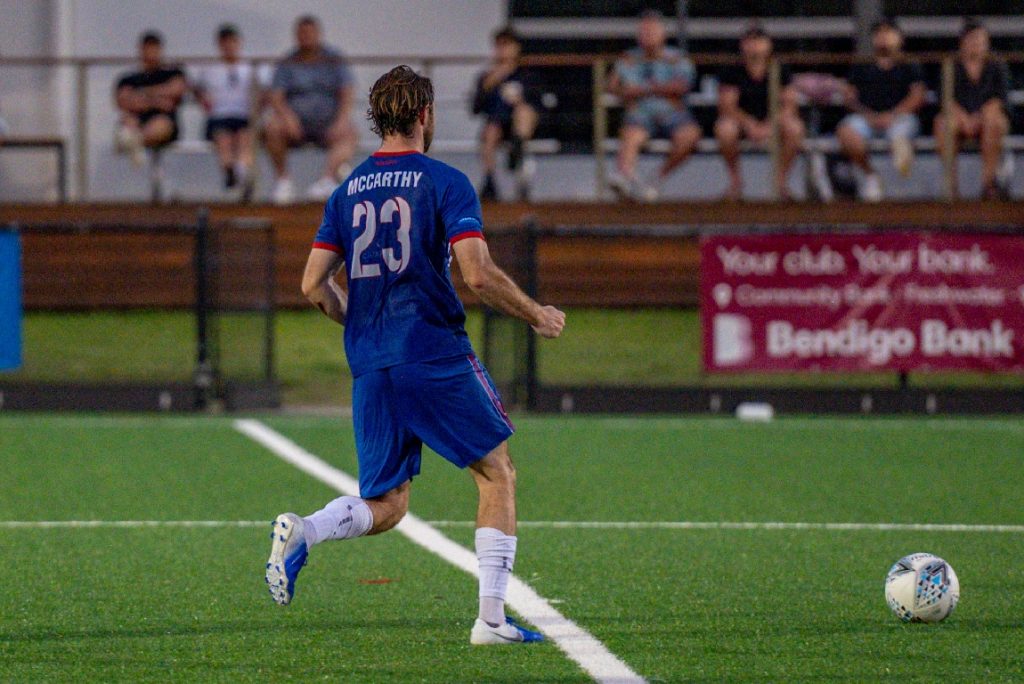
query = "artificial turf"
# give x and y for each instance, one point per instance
(163, 603)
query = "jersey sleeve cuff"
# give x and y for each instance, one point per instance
(467, 234)
(328, 246)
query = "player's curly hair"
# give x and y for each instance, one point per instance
(396, 100)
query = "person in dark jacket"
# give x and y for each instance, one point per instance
(507, 100)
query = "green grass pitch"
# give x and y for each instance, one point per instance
(707, 605)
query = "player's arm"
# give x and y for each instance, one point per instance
(320, 287)
(497, 290)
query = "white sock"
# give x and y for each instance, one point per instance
(346, 517)
(496, 552)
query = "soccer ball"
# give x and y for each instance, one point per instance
(922, 588)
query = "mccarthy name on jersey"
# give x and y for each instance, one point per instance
(383, 179)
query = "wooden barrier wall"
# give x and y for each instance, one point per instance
(81, 271)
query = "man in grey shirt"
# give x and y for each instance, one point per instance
(311, 101)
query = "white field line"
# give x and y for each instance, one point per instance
(557, 525)
(581, 646)
(58, 524)
(712, 525)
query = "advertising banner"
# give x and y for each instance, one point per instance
(10, 300)
(861, 302)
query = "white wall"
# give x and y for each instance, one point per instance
(26, 97)
(93, 28)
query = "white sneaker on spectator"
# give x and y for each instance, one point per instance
(284, 191)
(524, 178)
(129, 141)
(322, 189)
(1004, 174)
(871, 187)
(820, 181)
(649, 191)
(620, 185)
(902, 155)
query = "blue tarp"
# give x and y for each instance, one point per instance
(10, 299)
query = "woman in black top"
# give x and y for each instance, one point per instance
(979, 92)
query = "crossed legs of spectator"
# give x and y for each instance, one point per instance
(133, 137)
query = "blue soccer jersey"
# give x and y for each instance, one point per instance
(394, 220)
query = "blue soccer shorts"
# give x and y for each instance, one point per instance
(450, 405)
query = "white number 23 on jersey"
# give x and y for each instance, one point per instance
(366, 212)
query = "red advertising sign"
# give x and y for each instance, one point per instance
(889, 301)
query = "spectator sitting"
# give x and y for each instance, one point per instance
(506, 97)
(225, 90)
(743, 112)
(979, 94)
(148, 100)
(311, 101)
(884, 97)
(651, 80)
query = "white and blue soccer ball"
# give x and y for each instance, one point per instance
(922, 587)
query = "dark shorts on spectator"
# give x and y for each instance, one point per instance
(229, 124)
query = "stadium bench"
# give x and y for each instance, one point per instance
(56, 145)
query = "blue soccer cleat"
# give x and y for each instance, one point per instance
(288, 554)
(510, 632)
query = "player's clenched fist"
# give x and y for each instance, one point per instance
(550, 322)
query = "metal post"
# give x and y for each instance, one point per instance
(82, 130)
(204, 374)
(865, 14)
(682, 24)
(774, 110)
(948, 138)
(600, 127)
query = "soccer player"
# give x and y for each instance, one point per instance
(393, 226)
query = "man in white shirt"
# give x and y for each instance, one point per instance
(225, 90)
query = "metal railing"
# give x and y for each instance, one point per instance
(599, 64)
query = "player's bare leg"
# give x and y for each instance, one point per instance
(495, 478)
